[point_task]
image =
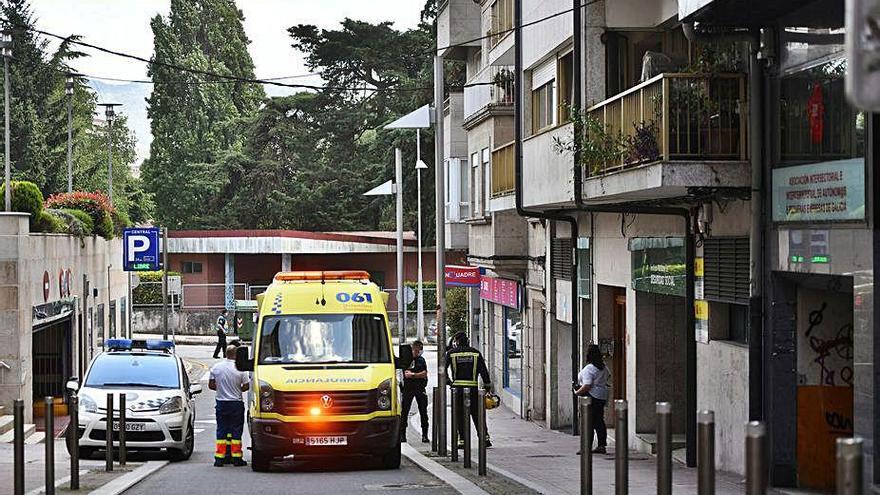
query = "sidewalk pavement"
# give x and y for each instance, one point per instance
(546, 461)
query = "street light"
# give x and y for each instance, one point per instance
(385, 189)
(68, 91)
(110, 113)
(6, 53)
(418, 119)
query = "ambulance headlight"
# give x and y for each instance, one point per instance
(267, 397)
(383, 396)
(172, 405)
(87, 404)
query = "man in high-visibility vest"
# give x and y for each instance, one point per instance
(467, 366)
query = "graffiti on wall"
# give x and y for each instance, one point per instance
(830, 352)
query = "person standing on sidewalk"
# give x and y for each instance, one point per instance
(467, 365)
(221, 334)
(593, 381)
(229, 409)
(415, 380)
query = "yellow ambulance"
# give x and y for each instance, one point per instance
(324, 371)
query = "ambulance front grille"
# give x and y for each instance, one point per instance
(328, 403)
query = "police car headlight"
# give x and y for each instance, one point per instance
(383, 396)
(267, 397)
(87, 404)
(172, 405)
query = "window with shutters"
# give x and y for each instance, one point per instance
(561, 258)
(726, 262)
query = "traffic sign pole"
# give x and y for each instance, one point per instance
(165, 283)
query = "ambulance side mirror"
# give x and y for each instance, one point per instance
(242, 360)
(404, 357)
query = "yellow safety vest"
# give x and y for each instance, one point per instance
(464, 381)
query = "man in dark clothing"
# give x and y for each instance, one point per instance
(467, 365)
(221, 335)
(415, 379)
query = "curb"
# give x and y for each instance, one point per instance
(123, 483)
(458, 482)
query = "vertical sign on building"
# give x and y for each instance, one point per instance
(701, 305)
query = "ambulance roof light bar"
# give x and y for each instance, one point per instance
(303, 276)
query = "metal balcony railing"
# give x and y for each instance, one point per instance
(503, 180)
(675, 117)
(492, 86)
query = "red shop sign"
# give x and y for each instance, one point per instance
(500, 291)
(462, 276)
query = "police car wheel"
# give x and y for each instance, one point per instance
(186, 452)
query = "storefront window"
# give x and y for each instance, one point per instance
(513, 340)
(820, 169)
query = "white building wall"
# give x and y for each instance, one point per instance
(545, 37)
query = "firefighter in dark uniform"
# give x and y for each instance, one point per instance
(467, 366)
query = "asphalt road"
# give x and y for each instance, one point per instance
(337, 476)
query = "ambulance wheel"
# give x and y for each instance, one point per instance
(260, 461)
(391, 459)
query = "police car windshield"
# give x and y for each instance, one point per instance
(325, 338)
(125, 370)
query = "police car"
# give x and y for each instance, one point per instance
(160, 410)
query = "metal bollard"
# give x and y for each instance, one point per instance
(435, 404)
(122, 429)
(482, 435)
(756, 458)
(18, 447)
(586, 419)
(454, 428)
(50, 445)
(849, 466)
(621, 449)
(73, 442)
(664, 448)
(706, 453)
(108, 435)
(466, 423)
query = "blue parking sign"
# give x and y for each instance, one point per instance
(140, 249)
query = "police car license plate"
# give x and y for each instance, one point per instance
(321, 441)
(130, 426)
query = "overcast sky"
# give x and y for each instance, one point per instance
(124, 25)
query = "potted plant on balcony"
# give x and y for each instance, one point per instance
(503, 82)
(599, 148)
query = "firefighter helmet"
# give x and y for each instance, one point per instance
(491, 400)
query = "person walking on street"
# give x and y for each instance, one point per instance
(593, 381)
(221, 335)
(467, 365)
(415, 380)
(229, 409)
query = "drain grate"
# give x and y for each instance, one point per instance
(401, 486)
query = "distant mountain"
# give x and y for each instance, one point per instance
(133, 97)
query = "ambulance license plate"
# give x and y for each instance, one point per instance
(322, 441)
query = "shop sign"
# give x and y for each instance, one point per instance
(500, 291)
(658, 265)
(462, 276)
(824, 191)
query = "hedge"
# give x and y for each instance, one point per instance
(456, 303)
(47, 222)
(26, 198)
(68, 222)
(147, 293)
(84, 218)
(96, 205)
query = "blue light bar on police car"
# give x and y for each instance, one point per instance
(159, 345)
(118, 344)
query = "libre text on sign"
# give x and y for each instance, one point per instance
(820, 192)
(140, 249)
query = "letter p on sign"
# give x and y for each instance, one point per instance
(137, 244)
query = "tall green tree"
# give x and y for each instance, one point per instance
(194, 119)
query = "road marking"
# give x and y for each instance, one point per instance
(208, 421)
(198, 430)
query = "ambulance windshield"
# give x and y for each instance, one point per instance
(324, 338)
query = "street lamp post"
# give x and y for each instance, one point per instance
(110, 114)
(6, 53)
(417, 119)
(68, 90)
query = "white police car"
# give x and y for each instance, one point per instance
(160, 410)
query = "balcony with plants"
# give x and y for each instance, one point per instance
(489, 92)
